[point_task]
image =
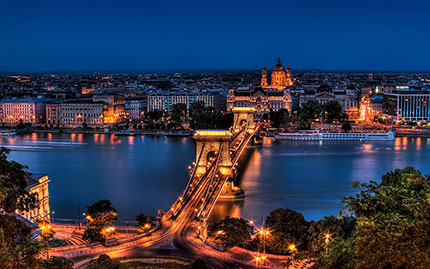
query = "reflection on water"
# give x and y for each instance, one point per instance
(313, 177)
(142, 174)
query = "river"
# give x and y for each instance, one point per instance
(142, 174)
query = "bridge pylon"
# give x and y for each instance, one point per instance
(243, 115)
(210, 143)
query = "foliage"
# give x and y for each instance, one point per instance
(99, 214)
(339, 254)
(311, 110)
(392, 225)
(144, 222)
(333, 111)
(286, 227)
(346, 127)
(57, 262)
(13, 192)
(178, 114)
(20, 125)
(232, 232)
(393, 217)
(303, 123)
(321, 232)
(155, 115)
(204, 117)
(93, 234)
(279, 118)
(16, 250)
(104, 262)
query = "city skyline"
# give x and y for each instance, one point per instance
(189, 35)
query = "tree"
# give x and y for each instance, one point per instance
(16, 249)
(144, 222)
(339, 254)
(322, 232)
(393, 217)
(58, 262)
(104, 262)
(178, 114)
(392, 225)
(155, 115)
(201, 116)
(279, 118)
(232, 232)
(287, 227)
(346, 127)
(13, 193)
(333, 111)
(303, 123)
(20, 125)
(310, 110)
(99, 214)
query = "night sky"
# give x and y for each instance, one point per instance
(60, 35)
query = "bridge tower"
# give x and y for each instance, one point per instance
(208, 144)
(243, 115)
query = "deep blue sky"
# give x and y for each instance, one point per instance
(56, 35)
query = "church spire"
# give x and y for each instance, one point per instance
(264, 76)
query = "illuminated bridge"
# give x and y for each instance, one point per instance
(217, 156)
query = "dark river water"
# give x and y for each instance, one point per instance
(142, 174)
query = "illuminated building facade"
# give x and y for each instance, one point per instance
(38, 184)
(280, 78)
(135, 108)
(165, 100)
(407, 106)
(28, 110)
(53, 113)
(261, 99)
(348, 98)
(75, 113)
(114, 112)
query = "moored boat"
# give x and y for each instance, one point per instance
(316, 135)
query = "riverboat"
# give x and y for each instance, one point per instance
(7, 132)
(316, 135)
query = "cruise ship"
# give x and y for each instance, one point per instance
(315, 135)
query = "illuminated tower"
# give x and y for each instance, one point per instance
(289, 80)
(264, 76)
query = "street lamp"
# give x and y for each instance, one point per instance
(52, 218)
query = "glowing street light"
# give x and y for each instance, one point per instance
(327, 237)
(292, 248)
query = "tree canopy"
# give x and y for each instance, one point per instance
(232, 232)
(99, 214)
(393, 224)
(286, 227)
(13, 192)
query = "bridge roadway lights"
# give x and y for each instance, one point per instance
(213, 141)
(243, 114)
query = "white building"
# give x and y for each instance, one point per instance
(75, 113)
(28, 110)
(165, 100)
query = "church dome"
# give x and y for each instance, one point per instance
(278, 66)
